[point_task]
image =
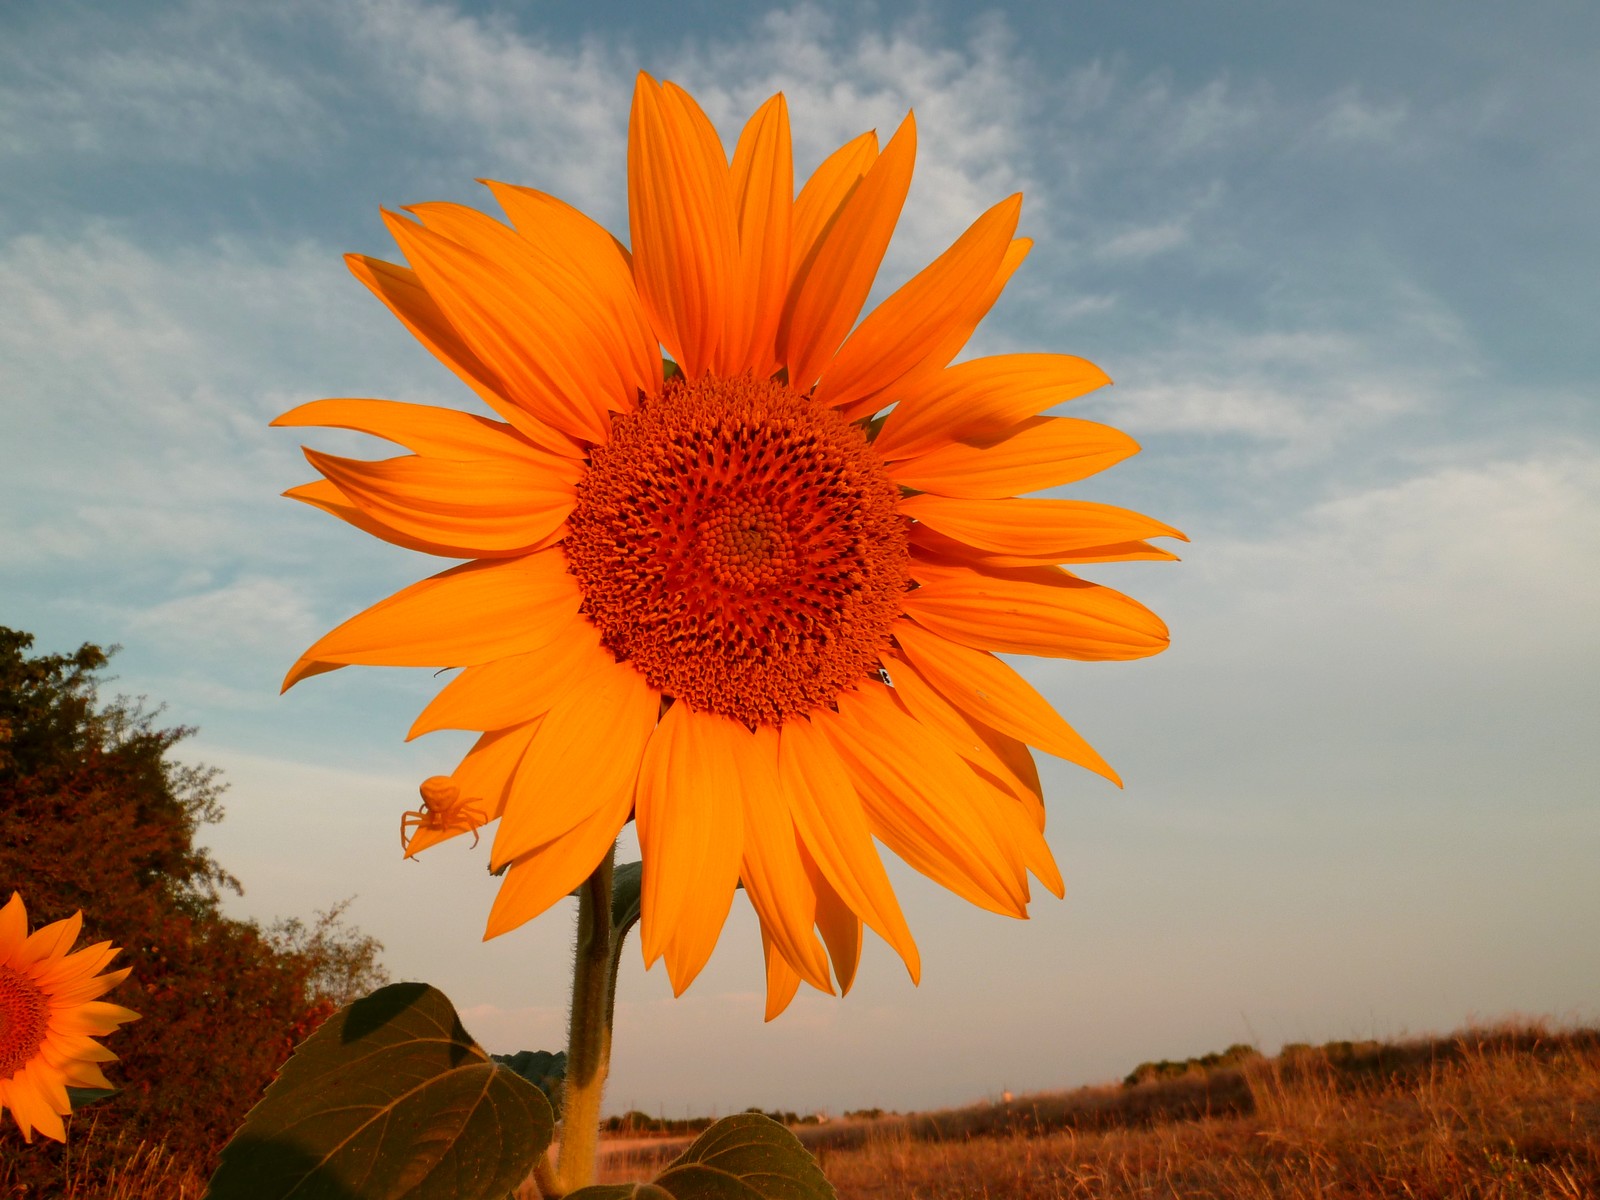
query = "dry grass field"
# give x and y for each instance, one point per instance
(1495, 1114)
(1504, 1113)
(1510, 1112)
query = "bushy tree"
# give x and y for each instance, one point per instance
(96, 815)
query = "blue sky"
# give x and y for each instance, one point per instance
(1340, 260)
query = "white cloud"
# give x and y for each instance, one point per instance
(1352, 118)
(1143, 242)
(1485, 562)
(557, 119)
(971, 102)
(532, 112)
(183, 88)
(139, 386)
(250, 613)
(1301, 393)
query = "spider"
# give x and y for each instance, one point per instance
(442, 811)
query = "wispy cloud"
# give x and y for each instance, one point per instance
(1143, 242)
(186, 87)
(248, 614)
(1352, 118)
(533, 111)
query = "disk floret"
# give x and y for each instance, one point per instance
(24, 1020)
(740, 545)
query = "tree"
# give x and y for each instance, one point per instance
(95, 815)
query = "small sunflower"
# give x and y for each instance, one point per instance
(752, 596)
(49, 1018)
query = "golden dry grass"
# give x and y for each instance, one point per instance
(1504, 1113)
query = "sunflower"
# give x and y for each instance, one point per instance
(49, 1018)
(752, 595)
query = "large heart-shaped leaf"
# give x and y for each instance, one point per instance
(389, 1099)
(743, 1157)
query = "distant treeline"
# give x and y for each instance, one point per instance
(642, 1124)
(1226, 1084)
(1233, 1056)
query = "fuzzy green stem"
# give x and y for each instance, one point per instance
(589, 1035)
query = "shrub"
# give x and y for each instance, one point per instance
(95, 815)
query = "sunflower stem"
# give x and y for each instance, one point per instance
(589, 1034)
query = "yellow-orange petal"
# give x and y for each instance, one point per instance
(48, 941)
(841, 930)
(440, 432)
(556, 271)
(550, 362)
(78, 1047)
(983, 397)
(900, 333)
(831, 287)
(90, 989)
(680, 212)
(325, 495)
(405, 296)
(1019, 827)
(824, 194)
(488, 507)
(953, 724)
(691, 831)
(94, 1019)
(32, 1110)
(13, 926)
(1022, 773)
(1016, 821)
(833, 828)
(481, 782)
(485, 772)
(564, 234)
(1032, 610)
(773, 872)
(783, 981)
(931, 545)
(461, 617)
(510, 691)
(920, 800)
(763, 197)
(547, 873)
(1041, 452)
(1035, 528)
(78, 971)
(82, 1074)
(940, 352)
(88, 960)
(586, 753)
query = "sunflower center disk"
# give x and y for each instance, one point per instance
(24, 1021)
(740, 545)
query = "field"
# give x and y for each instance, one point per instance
(1501, 1113)
(1510, 1112)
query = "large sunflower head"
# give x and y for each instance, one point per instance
(752, 596)
(49, 1018)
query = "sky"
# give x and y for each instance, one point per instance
(1341, 261)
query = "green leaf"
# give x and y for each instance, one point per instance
(79, 1096)
(620, 1191)
(746, 1157)
(546, 1071)
(390, 1098)
(669, 369)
